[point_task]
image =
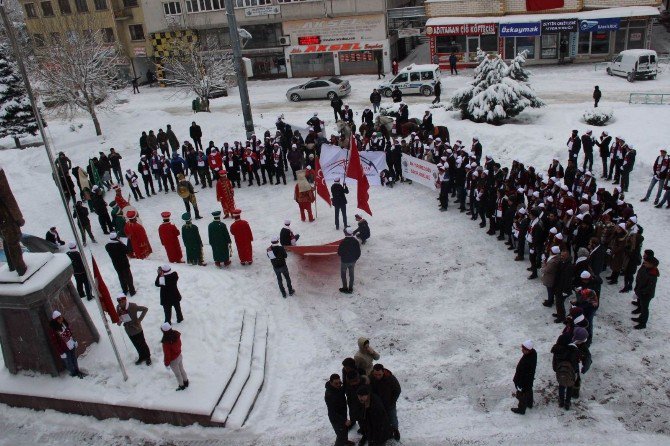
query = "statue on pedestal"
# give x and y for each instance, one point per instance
(11, 220)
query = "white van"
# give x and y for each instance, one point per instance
(635, 64)
(413, 79)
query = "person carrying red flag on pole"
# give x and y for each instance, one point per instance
(139, 242)
(241, 230)
(304, 196)
(225, 194)
(169, 235)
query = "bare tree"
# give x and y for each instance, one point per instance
(77, 67)
(193, 70)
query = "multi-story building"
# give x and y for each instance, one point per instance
(573, 30)
(291, 38)
(119, 21)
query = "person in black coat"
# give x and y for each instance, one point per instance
(277, 255)
(524, 377)
(597, 94)
(597, 256)
(375, 100)
(118, 253)
(363, 230)
(100, 208)
(81, 214)
(349, 252)
(375, 424)
(563, 284)
(367, 118)
(396, 95)
(587, 145)
(167, 280)
(53, 237)
(604, 151)
(336, 402)
(387, 387)
(339, 201)
(196, 135)
(336, 103)
(438, 92)
(80, 278)
(645, 288)
(355, 378)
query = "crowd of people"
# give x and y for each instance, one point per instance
(571, 228)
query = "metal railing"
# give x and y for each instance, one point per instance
(649, 98)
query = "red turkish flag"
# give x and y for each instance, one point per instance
(541, 5)
(355, 171)
(103, 292)
(320, 182)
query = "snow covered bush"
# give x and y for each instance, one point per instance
(498, 91)
(389, 110)
(598, 117)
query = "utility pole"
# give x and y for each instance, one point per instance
(239, 69)
(18, 55)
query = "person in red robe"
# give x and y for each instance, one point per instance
(118, 198)
(169, 235)
(225, 194)
(243, 237)
(304, 196)
(139, 242)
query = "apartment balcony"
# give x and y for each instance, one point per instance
(123, 14)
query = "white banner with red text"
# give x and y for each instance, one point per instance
(333, 161)
(421, 171)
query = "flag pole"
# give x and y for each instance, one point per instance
(65, 201)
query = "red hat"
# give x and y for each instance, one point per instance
(165, 215)
(237, 211)
(131, 214)
(222, 172)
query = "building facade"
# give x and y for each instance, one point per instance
(579, 31)
(290, 38)
(119, 21)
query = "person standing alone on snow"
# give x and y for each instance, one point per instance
(172, 357)
(524, 377)
(277, 255)
(349, 252)
(438, 92)
(597, 94)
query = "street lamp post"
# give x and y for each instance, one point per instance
(239, 69)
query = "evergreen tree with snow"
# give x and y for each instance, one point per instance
(16, 114)
(516, 70)
(495, 94)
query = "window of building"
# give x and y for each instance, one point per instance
(247, 3)
(64, 6)
(107, 35)
(620, 40)
(81, 5)
(488, 43)
(204, 5)
(600, 43)
(549, 46)
(136, 32)
(263, 36)
(584, 43)
(515, 45)
(47, 9)
(38, 40)
(449, 44)
(172, 8)
(130, 3)
(100, 5)
(30, 10)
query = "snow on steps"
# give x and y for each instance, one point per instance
(242, 390)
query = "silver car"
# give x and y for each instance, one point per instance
(319, 88)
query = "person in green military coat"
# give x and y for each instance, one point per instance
(118, 220)
(219, 240)
(192, 241)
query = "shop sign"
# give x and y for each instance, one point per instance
(140, 51)
(465, 29)
(309, 40)
(338, 30)
(598, 25)
(336, 47)
(519, 29)
(261, 10)
(408, 32)
(635, 37)
(559, 25)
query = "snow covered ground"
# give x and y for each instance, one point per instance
(443, 303)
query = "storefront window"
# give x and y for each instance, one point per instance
(359, 62)
(263, 36)
(268, 66)
(549, 46)
(526, 44)
(635, 38)
(600, 43)
(314, 64)
(584, 43)
(620, 40)
(449, 44)
(488, 43)
(510, 52)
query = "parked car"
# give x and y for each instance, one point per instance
(635, 64)
(413, 79)
(217, 92)
(319, 88)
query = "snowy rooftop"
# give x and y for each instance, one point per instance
(630, 11)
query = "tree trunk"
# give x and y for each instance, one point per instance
(90, 106)
(17, 142)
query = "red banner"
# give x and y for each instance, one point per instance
(541, 5)
(355, 171)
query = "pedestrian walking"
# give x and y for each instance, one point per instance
(349, 252)
(453, 61)
(80, 213)
(375, 100)
(438, 92)
(131, 316)
(172, 355)
(196, 135)
(277, 255)
(597, 94)
(524, 377)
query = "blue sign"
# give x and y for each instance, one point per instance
(598, 25)
(519, 29)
